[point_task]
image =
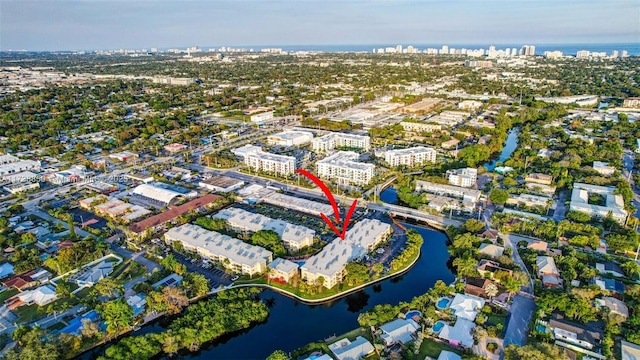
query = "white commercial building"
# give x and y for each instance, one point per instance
(162, 193)
(262, 117)
(7, 159)
(15, 167)
(410, 157)
(242, 257)
(290, 138)
(343, 167)
(466, 177)
(603, 168)
(330, 263)
(469, 104)
(613, 204)
(298, 204)
(449, 118)
(244, 151)
(271, 163)
(294, 237)
(331, 141)
(420, 126)
(468, 195)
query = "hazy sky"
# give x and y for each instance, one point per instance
(75, 25)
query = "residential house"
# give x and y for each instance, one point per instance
(611, 268)
(616, 307)
(491, 250)
(41, 296)
(489, 268)
(612, 285)
(490, 234)
(629, 351)
(6, 269)
(586, 336)
(398, 331)
(548, 272)
(351, 350)
(476, 287)
(21, 281)
(171, 280)
(138, 303)
(466, 306)
(448, 355)
(538, 245)
(459, 334)
(89, 276)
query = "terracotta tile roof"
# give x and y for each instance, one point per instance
(173, 212)
(19, 281)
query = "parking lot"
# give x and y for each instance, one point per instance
(216, 276)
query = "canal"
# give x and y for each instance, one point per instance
(509, 146)
(292, 324)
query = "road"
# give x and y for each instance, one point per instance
(561, 208)
(511, 241)
(521, 313)
(412, 212)
(137, 257)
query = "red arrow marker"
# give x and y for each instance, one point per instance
(332, 200)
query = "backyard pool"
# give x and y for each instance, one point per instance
(410, 314)
(437, 327)
(541, 328)
(443, 303)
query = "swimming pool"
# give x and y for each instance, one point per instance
(541, 328)
(437, 327)
(410, 314)
(443, 303)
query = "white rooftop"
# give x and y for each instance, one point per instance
(216, 243)
(346, 159)
(466, 306)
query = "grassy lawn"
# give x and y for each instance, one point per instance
(432, 348)
(29, 313)
(83, 293)
(496, 319)
(7, 294)
(353, 334)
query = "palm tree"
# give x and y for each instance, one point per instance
(465, 266)
(320, 281)
(512, 286)
(492, 290)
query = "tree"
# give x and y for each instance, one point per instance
(196, 283)
(512, 286)
(473, 225)
(499, 196)
(537, 351)
(63, 289)
(175, 298)
(108, 287)
(320, 281)
(631, 269)
(492, 290)
(278, 355)
(465, 266)
(117, 314)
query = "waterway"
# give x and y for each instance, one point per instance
(292, 324)
(509, 147)
(389, 195)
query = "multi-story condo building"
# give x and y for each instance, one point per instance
(420, 126)
(294, 237)
(14, 167)
(613, 204)
(290, 138)
(410, 157)
(330, 263)
(632, 102)
(344, 167)
(467, 195)
(242, 257)
(331, 141)
(462, 177)
(272, 163)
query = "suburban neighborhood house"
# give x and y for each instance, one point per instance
(399, 331)
(548, 272)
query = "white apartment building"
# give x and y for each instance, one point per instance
(15, 167)
(614, 204)
(466, 177)
(330, 263)
(410, 157)
(449, 118)
(331, 141)
(7, 159)
(262, 117)
(242, 257)
(603, 168)
(420, 126)
(290, 138)
(271, 163)
(468, 195)
(294, 237)
(469, 105)
(344, 167)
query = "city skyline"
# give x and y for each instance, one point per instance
(81, 25)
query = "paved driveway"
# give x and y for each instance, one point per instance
(521, 313)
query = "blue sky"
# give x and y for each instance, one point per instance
(75, 25)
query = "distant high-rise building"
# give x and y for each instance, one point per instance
(614, 54)
(399, 49)
(492, 48)
(444, 50)
(528, 50)
(583, 54)
(624, 53)
(154, 50)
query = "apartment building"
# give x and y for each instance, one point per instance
(410, 157)
(14, 167)
(271, 163)
(233, 253)
(603, 168)
(294, 237)
(466, 177)
(290, 138)
(613, 203)
(330, 263)
(345, 168)
(331, 141)
(468, 195)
